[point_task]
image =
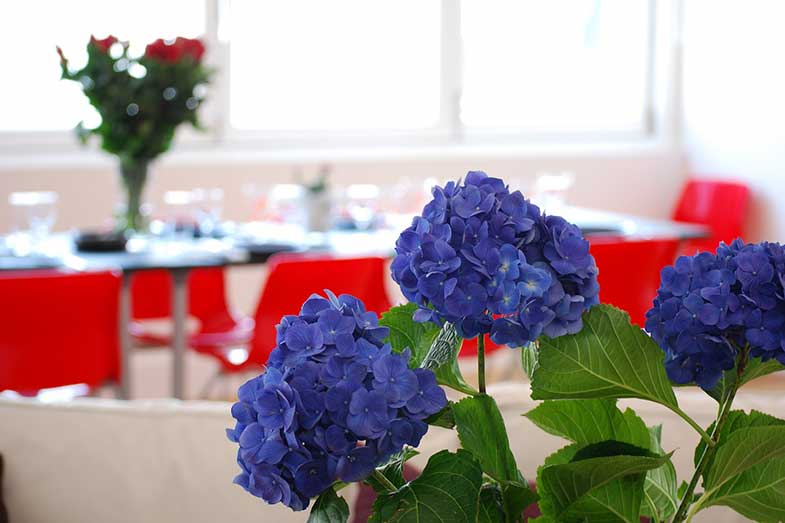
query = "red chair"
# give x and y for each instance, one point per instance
(151, 293)
(58, 329)
(291, 280)
(630, 271)
(722, 206)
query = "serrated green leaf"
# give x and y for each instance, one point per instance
(516, 496)
(755, 369)
(490, 509)
(590, 421)
(450, 375)
(444, 418)
(529, 359)
(599, 482)
(432, 347)
(481, 430)
(758, 493)
(405, 332)
(742, 450)
(593, 421)
(393, 469)
(660, 496)
(443, 349)
(329, 508)
(447, 490)
(737, 419)
(608, 358)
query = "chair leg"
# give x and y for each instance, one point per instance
(208, 387)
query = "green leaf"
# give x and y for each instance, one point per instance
(329, 508)
(443, 349)
(516, 496)
(432, 347)
(450, 375)
(447, 490)
(744, 447)
(758, 493)
(737, 419)
(481, 431)
(444, 418)
(593, 421)
(529, 359)
(442, 358)
(405, 332)
(755, 369)
(393, 469)
(598, 482)
(590, 421)
(660, 495)
(608, 358)
(491, 508)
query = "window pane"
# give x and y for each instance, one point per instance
(32, 97)
(560, 64)
(345, 64)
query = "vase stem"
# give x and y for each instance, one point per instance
(134, 176)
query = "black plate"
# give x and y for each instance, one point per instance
(100, 241)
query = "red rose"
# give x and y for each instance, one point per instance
(175, 51)
(103, 44)
(63, 60)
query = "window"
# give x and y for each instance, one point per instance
(351, 64)
(32, 97)
(555, 65)
(359, 68)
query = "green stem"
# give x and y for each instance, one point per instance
(708, 452)
(134, 176)
(386, 483)
(481, 362)
(703, 434)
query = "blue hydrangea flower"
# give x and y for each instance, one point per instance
(710, 305)
(333, 403)
(489, 262)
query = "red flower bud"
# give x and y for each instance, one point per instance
(103, 44)
(175, 51)
(63, 59)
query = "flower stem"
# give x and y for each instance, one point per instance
(481, 362)
(703, 434)
(708, 452)
(386, 483)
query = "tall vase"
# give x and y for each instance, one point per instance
(133, 173)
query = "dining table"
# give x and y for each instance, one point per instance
(254, 243)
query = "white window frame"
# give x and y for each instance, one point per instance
(660, 113)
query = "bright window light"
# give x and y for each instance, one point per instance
(32, 97)
(554, 65)
(342, 65)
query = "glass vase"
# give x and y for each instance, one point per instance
(133, 174)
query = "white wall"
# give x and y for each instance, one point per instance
(734, 101)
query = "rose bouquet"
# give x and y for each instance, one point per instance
(346, 397)
(141, 101)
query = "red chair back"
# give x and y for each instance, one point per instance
(151, 293)
(630, 272)
(58, 329)
(294, 277)
(722, 206)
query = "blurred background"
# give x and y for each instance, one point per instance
(328, 117)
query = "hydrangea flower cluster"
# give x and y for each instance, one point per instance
(333, 403)
(710, 305)
(488, 261)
